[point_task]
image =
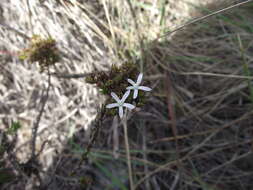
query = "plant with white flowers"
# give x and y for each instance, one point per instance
(121, 102)
(136, 86)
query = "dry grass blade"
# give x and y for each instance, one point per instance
(172, 117)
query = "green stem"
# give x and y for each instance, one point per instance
(128, 154)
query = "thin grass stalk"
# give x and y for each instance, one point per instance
(247, 72)
(130, 174)
(144, 148)
(140, 38)
(172, 116)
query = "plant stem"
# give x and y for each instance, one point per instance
(128, 154)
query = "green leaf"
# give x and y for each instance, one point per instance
(14, 128)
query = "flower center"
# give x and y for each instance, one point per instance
(135, 86)
(121, 103)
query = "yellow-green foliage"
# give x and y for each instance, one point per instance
(114, 80)
(43, 51)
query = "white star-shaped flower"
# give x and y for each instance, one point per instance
(120, 103)
(136, 86)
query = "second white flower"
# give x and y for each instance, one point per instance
(136, 86)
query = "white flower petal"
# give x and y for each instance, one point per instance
(139, 78)
(115, 97)
(130, 106)
(131, 81)
(112, 105)
(125, 96)
(145, 88)
(135, 93)
(130, 88)
(121, 112)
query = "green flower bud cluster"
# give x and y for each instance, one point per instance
(43, 51)
(113, 80)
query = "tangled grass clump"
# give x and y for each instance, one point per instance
(43, 51)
